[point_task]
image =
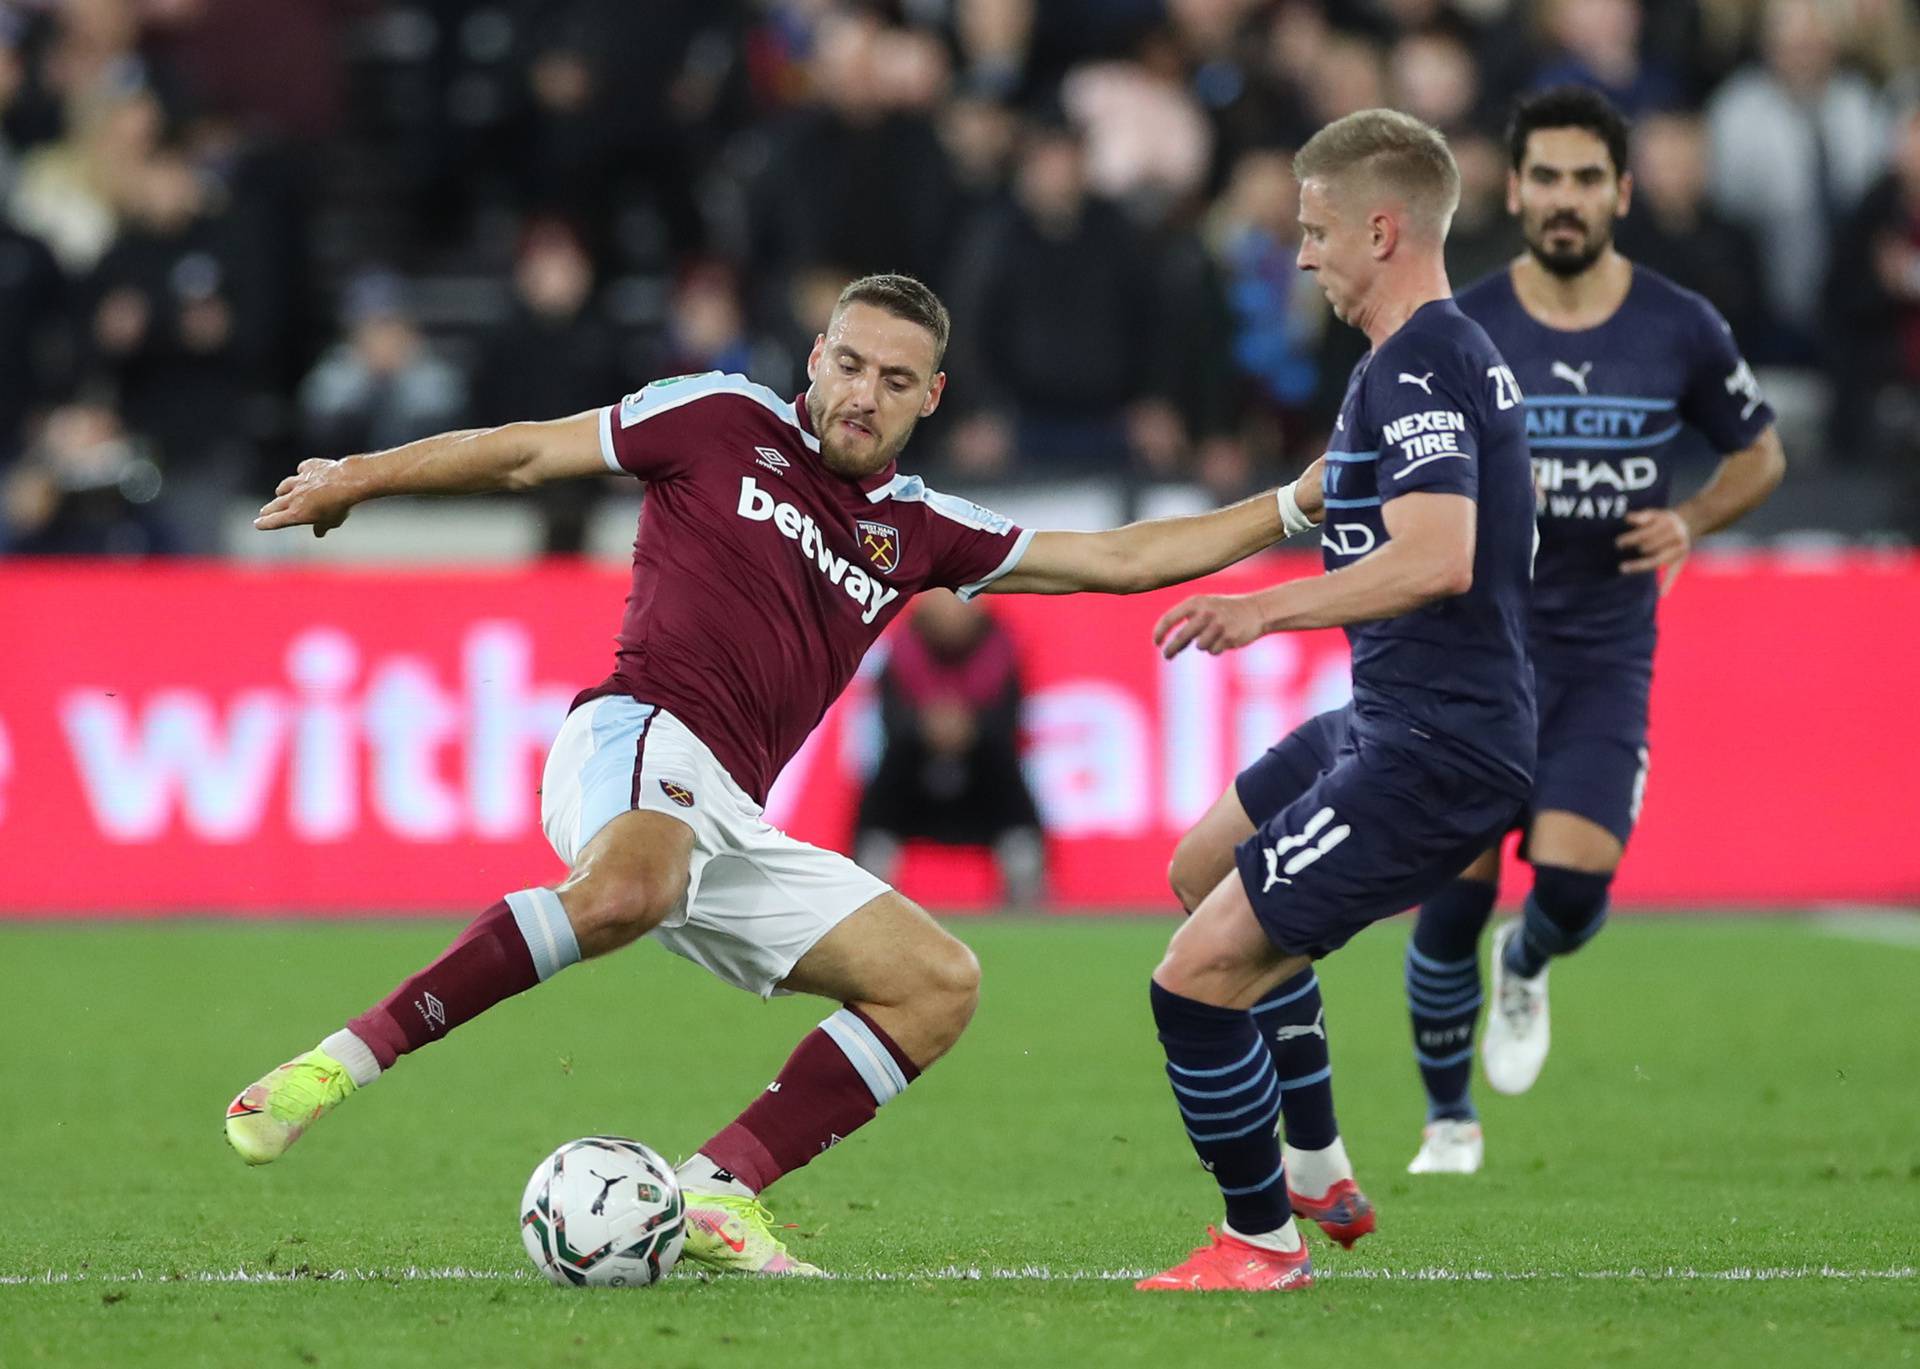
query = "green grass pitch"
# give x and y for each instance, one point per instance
(1720, 1166)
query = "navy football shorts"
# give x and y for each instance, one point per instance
(1593, 744)
(1298, 759)
(1375, 829)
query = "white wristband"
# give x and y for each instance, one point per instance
(1291, 519)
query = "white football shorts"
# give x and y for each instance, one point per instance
(757, 899)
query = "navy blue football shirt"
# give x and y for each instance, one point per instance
(1607, 409)
(1434, 410)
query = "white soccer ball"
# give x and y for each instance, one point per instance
(604, 1211)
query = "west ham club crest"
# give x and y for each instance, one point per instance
(881, 544)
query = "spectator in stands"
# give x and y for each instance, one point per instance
(1148, 143)
(858, 176)
(950, 767)
(1873, 295)
(617, 98)
(1482, 239)
(1256, 96)
(552, 356)
(277, 68)
(1057, 332)
(1212, 37)
(707, 329)
(382, 385)
(167, 322)
(979, 135)
(1795, 143)
(13, 87)
(1278, 315)
(35, 342)
(1432, 76)
(1349, 75)
(93, 53)
(1674, 229)
(1597, 43)
(83, 489)
(68, 191)
(995, 39)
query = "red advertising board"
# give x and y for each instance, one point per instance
(208, 739)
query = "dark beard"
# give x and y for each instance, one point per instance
(1572, 264)
(856, 468)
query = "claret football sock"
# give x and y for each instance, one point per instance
(518, 942)
(839, 1076)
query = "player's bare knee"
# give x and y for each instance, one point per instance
(1177, 876)
(940, 994)
(609, 910)
(953, 985)
(1181, 968)
(1190, 874)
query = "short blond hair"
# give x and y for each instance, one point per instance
(1397, 153)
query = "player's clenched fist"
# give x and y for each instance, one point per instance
(318, 494)
(1213, 622)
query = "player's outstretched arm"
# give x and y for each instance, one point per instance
(1163, 551)
(515, 456)
(1740, 484)
(1429, 556)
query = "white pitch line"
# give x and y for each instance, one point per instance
(1882, 926)
(1035, 1273)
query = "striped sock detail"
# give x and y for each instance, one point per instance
(545, 927)
(1293, 1021)
(1444, 994)
(870, 1057)
(1289, 993)
(1228, 1093)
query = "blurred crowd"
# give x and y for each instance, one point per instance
(238, 232)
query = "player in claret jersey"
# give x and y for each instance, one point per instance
(777, 541)
(1616, 362)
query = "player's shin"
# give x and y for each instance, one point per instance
(834, 1083)
(1320, 1182)
(517, 943)
(1564, 912)
(1229, 1098)
(512, 946)
(1444, 994)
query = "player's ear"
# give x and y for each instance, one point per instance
(1626, 195)
(813, 357)
(934, 391)
(1513, 193)
(1384, 232)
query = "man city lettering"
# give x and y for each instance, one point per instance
(1589, 487)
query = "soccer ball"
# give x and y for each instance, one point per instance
(604, 1211)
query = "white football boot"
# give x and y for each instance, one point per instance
(1449, 1148)
(1514, 1044)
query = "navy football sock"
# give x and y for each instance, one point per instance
(1443, 994)
(1229, 1097)
(1293, 1023)
(1564, 912)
